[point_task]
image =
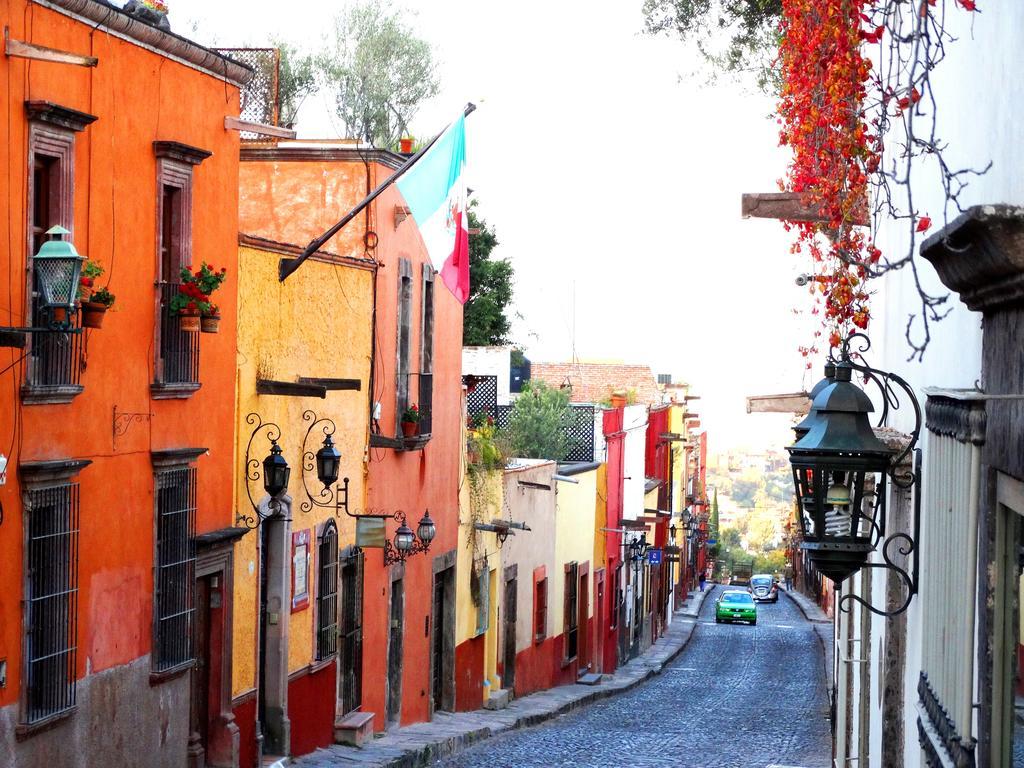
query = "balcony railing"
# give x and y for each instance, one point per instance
(179, 350)
(55, 361)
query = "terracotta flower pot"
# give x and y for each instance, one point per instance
(189, 322)
(618, 401)
(92, 314)
(405, 146)
(209, 323)
(410, 428)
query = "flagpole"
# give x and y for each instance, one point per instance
(287, 266)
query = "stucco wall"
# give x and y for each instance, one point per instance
(282, 335)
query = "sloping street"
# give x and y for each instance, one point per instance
(738, 695)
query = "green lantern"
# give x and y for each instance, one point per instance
(58, 268)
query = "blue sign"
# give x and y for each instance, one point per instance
(654, 556)
(712, 542)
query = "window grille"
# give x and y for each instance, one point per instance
(571, 601)
(179, 350)
(616, 601)
(327, 593)
(404, 337)
(351, 692)
(483, 605)
(51, 589)
(174, 601)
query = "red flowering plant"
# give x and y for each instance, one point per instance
(156, 5)
(87, 290)
(411, 415)
(835, 114)
(190, 299)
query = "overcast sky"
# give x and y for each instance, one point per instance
(611, 173)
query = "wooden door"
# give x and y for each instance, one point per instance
(599, 621)
(200, 683)
(395, 633)
(437, 646)
(509, 622)
(583, 650)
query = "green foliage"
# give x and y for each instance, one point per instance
(751, 26)
(713, 524)
(300, 76)
(485, 449)
(485, 319)
(380, 72)
(537, 424)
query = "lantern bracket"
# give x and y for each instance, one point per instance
(393, 554)
(336, 497)
(906, 545)
(253, 471)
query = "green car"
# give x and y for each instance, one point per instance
(734, 605)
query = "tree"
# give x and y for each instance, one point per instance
(380, 72)
(713, 524)
(485, 320)
(300, 76)
(537, 424)
(753, 26)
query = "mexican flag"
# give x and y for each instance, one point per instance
(434, 189)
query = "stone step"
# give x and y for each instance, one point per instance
(274, 761)
(355, 728)
(498, 700)
(591, 678)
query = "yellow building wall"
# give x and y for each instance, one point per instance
(316, 324)
(574, 539)
(600, 518)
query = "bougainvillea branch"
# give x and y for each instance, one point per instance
(856, 129)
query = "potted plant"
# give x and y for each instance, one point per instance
(411, 421)
(209, 321)
(96, 307)
(619, 399)
(189, 303)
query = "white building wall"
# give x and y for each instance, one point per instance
(980, 93)
(490, 361)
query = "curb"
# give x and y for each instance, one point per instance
(799, 604)
(426, 755)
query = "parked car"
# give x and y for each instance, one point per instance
(735, 605)
(764, 588)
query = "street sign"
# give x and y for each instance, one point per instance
(712, 542)
(654, 556)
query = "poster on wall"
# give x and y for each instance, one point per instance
(300, 570)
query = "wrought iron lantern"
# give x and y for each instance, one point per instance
(426, 530)
(328, 460)
(672, 531)
(638, 549)
(58, 268)
(275, 473)
(840, 471)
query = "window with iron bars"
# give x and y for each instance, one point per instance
(571, 601)
(51, 591)
(327, 593)
(174, 601)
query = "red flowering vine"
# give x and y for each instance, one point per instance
(828, 90)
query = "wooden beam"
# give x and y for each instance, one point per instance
(333, 384)
(13, 339)
(634, 525)
(795, 402)
(237, 124)
(21, 50)
(787, 206)
(289, 389)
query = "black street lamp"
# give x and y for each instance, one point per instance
(840, 469)
(811, 418)
(275, 473)
(326, 462)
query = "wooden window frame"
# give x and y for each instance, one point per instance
(540, 605)
(403, 345)
(426, 377)
(483, 607)
(175, 166)
(51, 134)
(570, 612)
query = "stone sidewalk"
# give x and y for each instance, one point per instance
(822, 626)
(447, 733)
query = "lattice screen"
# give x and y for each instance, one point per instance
(260, 98)
(484, 397)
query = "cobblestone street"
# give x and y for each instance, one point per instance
(738, 695)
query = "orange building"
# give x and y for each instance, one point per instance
(117, 509)
(291, 192)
